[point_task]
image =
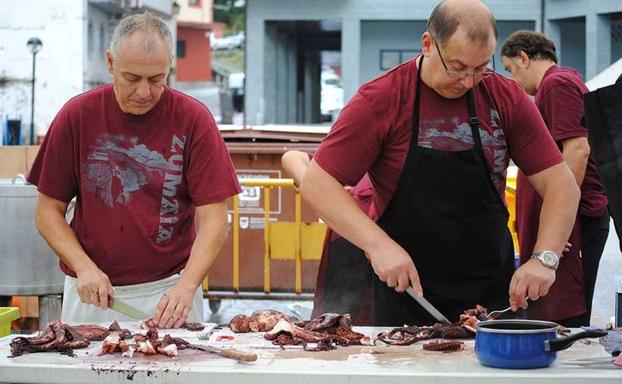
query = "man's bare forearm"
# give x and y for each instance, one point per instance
(295, 164)
(211, 225)
(560, 195)
(576, 152)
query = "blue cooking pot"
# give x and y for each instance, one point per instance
(522, 344)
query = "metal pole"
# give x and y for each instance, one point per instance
(32, 102)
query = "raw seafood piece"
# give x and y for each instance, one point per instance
(319, 334)
(151, 324)
(464, 328)
(259, 321)
(444, 345)
(56, 336)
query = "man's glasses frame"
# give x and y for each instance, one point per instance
(487, 72)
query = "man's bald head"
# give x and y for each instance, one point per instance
(149, 32)
(472, 15)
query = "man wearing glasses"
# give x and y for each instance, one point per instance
(436, 135)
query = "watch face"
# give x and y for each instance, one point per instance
(549, 258)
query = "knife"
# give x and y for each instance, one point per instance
(427, 306)
(128, 310)
(226, 352)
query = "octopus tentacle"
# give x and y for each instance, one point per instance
(444, 345)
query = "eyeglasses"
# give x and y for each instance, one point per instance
(452, 74)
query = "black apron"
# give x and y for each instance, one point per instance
(447, 214)
(603, 118)
(344, 281)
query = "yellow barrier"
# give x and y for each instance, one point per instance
(282, 240)
(298, 241)
(510, 198)
(7, 315)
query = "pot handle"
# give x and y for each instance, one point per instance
(562, 343)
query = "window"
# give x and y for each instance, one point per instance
(389, 58)
(194, 3)
(181, 49)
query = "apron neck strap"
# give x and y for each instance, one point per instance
(474, 122)
(415, 119)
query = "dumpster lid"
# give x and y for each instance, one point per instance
(267, 148)
(274, 133)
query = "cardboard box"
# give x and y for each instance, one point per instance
(16, 159)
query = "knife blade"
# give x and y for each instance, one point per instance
(427, 306)
(226, 352)
(128, 310)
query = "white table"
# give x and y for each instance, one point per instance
(356, 364)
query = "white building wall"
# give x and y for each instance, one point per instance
(60, 68)
(161, 6)
(202, 14)
(98, 32)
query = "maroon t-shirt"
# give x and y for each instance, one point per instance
(560, 100)
(374, 129)
(137, 179)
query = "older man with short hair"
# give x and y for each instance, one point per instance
(150, 174)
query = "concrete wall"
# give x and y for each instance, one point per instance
(562, 9)
(400, 37)
(406, 36)
(598, 53)
(573, 44)
(616, 40)
(358, 41)
(60, 67)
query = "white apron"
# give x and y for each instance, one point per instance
(143, 296)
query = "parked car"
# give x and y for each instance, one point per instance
(331, 101)
(228, 42)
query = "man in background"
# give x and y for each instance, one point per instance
(531, 59)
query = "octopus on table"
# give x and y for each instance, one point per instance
(64, 338)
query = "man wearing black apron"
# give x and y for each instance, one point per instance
(448, 216)
(435, 135)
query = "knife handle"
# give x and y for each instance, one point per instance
(238, 355)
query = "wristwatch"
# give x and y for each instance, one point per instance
(548, 258)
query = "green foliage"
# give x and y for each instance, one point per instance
(232, 60)
(232, 13)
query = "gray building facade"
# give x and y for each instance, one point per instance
(286, 40)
